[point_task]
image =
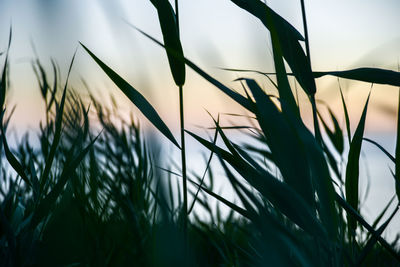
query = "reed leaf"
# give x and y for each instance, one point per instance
(320, 175)
(278, 193)
(136, 98)
(335, 136)
(17, 166)
(288, 38)
(373, 240)
(369, 75)
(286, 149)
(354, 214)
(57, 134)
(381, 148)
(170, 32)
(352, 168)
(346, 115)
(49, 200)
(3, 82)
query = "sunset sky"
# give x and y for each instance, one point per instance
(215, 33)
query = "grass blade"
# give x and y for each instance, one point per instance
(12, 159)
(369, 75)
(353, 213)
(3, 82)
(57, 134)
(137, 99)
(346, 114)
(288, 37)
(320, 175)
(170, 32)
(397, 152)
(284, 145)
(44, 206)
(278, 193)
(259, 9)
(383, 212)
(204, 174)
(352, 168)
(381, 148)
(372, 241)
(231, 205)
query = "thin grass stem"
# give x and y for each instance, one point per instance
(307, 43)
(183, 158)
(312, 98)
(183, 147)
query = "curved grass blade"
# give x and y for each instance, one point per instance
(235, 149)
(352, 168)
(335, 136)
(231, 205)
(35, 180)
(204, 174)
(331, 160)
(72, 163)
(278, 47)
(41, 77)
(3, 82)
(245, 196)
(381, 148)
(3, 90)
(383, 212)
(54, 89)
(268, 225)
(170, 32)
(288, 154)
(12, 159)
(278, 193)
(283, 86)
(3, 85)
(320, 176)
(136, 98)
(370, 75)
(346, 114)
(372, 241)
(339, 139)
(57, 134)
(259, 10)
(288, 38)
(352, 212)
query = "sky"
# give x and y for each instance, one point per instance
(215, 34)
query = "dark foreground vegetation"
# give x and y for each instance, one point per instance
(91, 194)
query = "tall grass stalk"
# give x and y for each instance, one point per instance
(307, 43)
(312, 97)
(183, 159)
(183, 146)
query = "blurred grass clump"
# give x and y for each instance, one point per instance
(91, 192)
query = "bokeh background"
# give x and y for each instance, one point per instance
(215, 34)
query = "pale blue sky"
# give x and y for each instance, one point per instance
(340, 30)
